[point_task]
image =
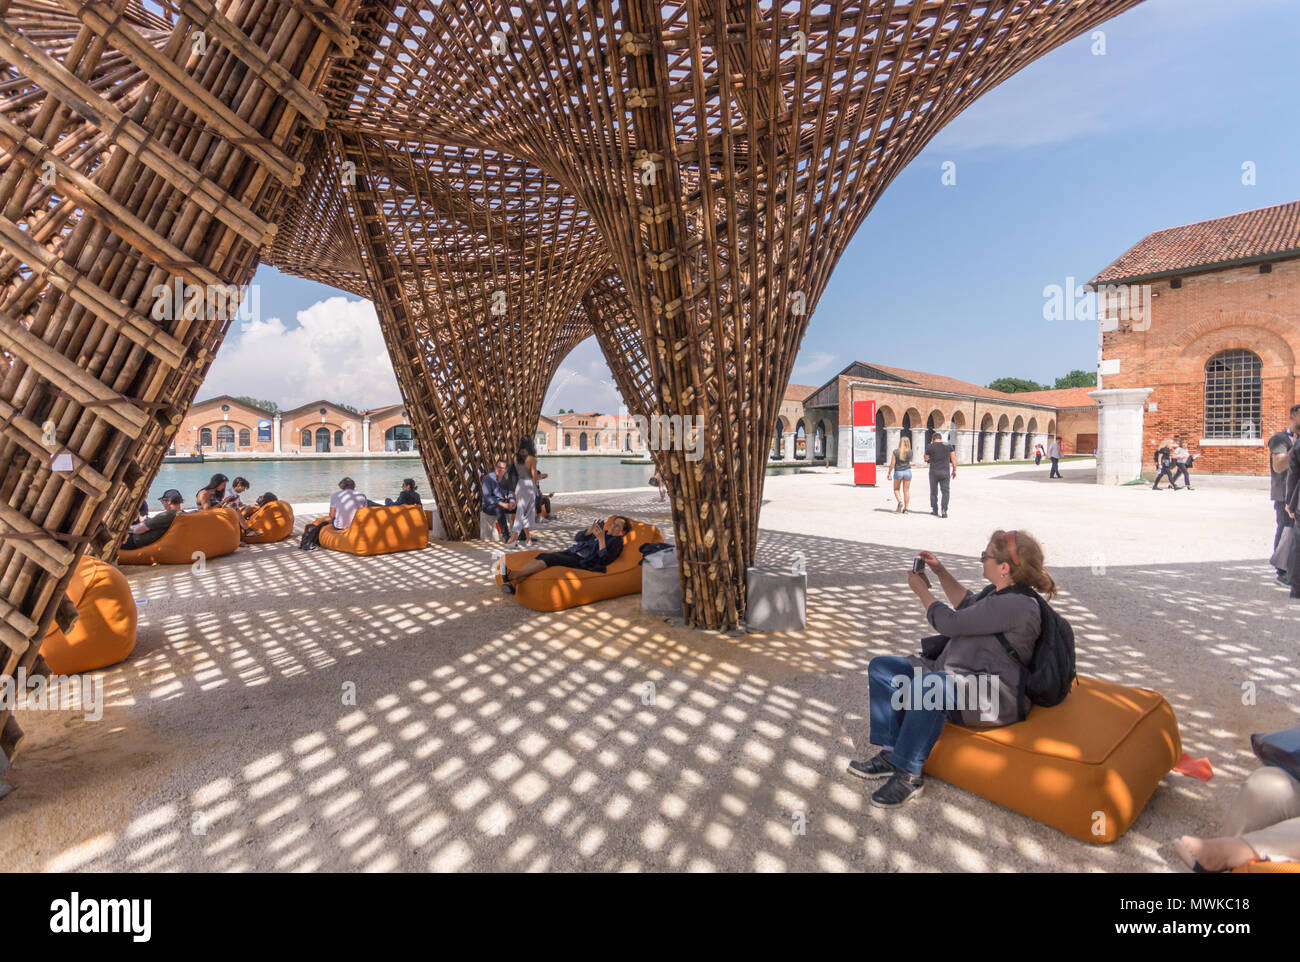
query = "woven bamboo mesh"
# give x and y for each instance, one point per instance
(679, 177)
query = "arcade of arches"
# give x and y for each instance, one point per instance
(983, 424)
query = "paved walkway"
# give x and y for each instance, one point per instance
(318, 711)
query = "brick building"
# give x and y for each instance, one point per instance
(984, 425)
(1209, 355)
(594, 433)
(227, 426)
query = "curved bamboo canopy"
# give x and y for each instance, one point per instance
(677, 177)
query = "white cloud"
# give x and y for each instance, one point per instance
(811, 365)
(336, 352)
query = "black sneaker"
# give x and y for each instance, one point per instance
(944, 515)
(898, 790)
(877, 767)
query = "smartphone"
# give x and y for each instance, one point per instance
(918, 565)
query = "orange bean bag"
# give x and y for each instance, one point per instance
(214, 531)
(105, 631)
(1086, 766)
(273, 521)
(1267, 868)
(555, 589)
(380, 530)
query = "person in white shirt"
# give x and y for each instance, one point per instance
(345, 503)
(1054, 452)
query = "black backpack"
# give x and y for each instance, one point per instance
(1050, 674)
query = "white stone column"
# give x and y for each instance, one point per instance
(918, 445)
(787, 446)
(1119, 433)
(365, 435)
(964, 443)
(275, 434)
(844, 449)
(891, 442)
(990, 444)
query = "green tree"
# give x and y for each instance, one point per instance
(264, 405)
(1078, 378)
(1015, 385)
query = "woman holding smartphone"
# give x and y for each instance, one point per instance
(968, 650)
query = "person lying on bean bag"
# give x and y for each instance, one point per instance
(592, 550)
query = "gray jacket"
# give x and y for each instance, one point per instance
(973, 648)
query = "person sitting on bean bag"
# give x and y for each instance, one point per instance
(153, 527)
(592, 550)
(985, 643)
(408, 495)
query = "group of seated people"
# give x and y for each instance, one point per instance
(343, 506)
(347, 501)
(150, 528)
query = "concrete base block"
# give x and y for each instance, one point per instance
(776, 600)
(436, 530)
(661, 591)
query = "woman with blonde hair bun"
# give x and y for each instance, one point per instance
(985, 643)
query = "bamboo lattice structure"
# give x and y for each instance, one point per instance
(679, 177)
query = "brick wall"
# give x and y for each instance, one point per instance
(1233, 308)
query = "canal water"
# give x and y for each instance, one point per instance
(315, 479)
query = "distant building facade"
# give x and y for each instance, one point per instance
(1213, 360)
(226, 425)
(984, 425)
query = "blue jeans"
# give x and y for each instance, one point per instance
(908, 733)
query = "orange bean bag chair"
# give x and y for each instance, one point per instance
(380, 530)
(1086, 766)
(214, 531)
(1267, 868)
(105, 631)
(558, 588)
(273, 521)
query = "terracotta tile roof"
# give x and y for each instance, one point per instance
(1255, 234)
(798, 392)
(1069, 397)
(900, 379)
(950, 385)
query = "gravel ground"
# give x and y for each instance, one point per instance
(291, 711)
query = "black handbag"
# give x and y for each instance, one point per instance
(1280, 749)
(932, 646)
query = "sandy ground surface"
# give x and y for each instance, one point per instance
(303, 711)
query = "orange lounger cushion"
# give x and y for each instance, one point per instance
(214, 532)
(1086, 766)
(558, 588)
(273, 521)
(1267, 868)
(105, 631)
(380, 530)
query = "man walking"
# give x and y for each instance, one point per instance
(1054, 452)
(943, 468)
(1280, 446)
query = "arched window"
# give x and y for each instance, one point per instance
(322, 439)
(568, 440)
(800, 441)
(245, 439)
(306, 438)
(205, 437)
(338, 439)
(582, 441)
(400, 437)
(225, 438)
(1233, 395)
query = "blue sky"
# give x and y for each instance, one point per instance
(1058, 170)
